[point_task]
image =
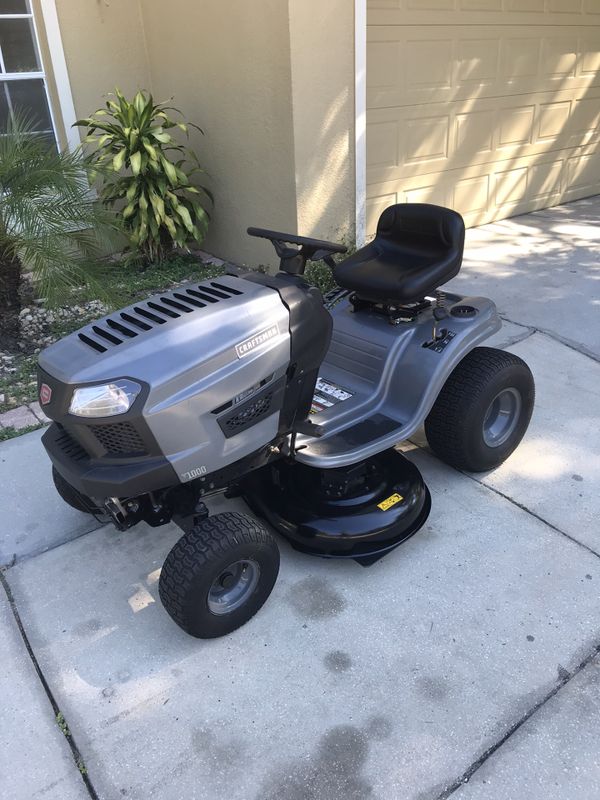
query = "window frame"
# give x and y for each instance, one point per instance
(11, 77)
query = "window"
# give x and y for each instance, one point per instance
(22, 78)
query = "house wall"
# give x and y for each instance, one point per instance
(269, 81)
(227, 67)
(104, 47)
(322, 59)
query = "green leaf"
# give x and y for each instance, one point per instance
(150, 149)
(143, 232)
(154, 225)
(136, 162)
(183, 179)
(119, 160)
(170, 170)
(165, 138)
(131, 192)
(139, 102)
(171, 227)
(158, 205)
(185, 216)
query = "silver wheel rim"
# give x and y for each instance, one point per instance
(502, 417)
(233, 586)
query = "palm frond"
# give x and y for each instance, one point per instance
(49, 217)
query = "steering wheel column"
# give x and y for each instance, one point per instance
(293, 259)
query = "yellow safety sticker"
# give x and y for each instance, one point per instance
(390, 501)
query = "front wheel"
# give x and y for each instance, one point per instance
(219, 574)
(482, 411)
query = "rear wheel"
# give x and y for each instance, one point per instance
(219, 574)
(70, 495)
(483, 410)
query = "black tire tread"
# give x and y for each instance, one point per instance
(451, 411)
(205, 542)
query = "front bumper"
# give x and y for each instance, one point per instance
(101, 477)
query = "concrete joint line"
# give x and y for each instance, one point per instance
(58, 715)
(14, 560)
(578, 348)
(532, 514)
(472, 769)
(517, 504)
(520, 337)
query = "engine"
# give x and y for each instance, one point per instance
(183, 385)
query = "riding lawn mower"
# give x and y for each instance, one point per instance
(256, 386)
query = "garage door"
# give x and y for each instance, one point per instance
(491, 107)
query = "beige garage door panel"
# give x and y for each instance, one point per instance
(413, 140)
(487, 192)
(491, 107)
(483, 12)
(409, 65)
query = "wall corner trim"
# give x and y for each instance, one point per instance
(360, 117)
(60, 71)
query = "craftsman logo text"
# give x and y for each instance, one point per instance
(258, 340)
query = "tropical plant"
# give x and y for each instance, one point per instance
(50, 223)
(147, 172)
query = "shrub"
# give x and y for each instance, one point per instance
(146, 171)
(50, 224)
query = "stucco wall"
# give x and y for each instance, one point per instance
(227, 67)
(104, 47)
(322, 58)
(269, 81)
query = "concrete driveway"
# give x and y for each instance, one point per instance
(465, 663)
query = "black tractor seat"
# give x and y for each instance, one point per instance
(417, 248)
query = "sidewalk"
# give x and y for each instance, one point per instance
(464, 664)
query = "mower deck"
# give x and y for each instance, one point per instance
(360, 512)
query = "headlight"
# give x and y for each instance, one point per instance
(105, 400)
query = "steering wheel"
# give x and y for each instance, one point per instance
(294, 260)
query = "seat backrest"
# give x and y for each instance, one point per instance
(422, 225)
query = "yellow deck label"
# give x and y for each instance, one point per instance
(390, 501)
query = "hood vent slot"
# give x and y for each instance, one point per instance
(137, 322)
(219, 295)
(92, 343)
(169, 302)
(168, 312)
(143, 312)
(149, 314)
(202, 295)
(189, 299)
(231, 291)
(110, 337)
(116, 326)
